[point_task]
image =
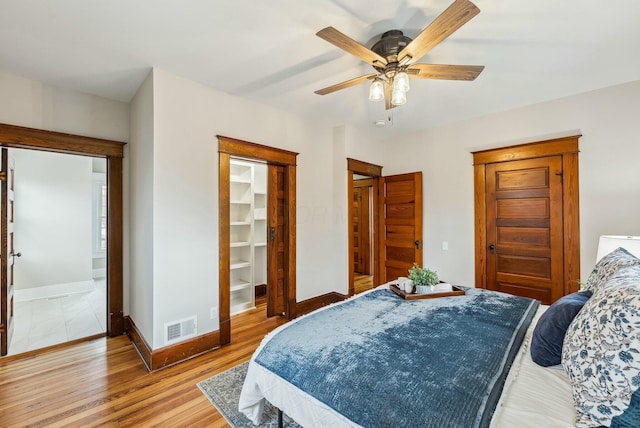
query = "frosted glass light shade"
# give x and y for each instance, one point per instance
(608, 243)
(398, 97)
(376, 91)
(401, 82)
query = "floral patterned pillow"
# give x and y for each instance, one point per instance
(601, 353)
(608, 266)
(625, 277)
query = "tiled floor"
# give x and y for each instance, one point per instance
(46, 322)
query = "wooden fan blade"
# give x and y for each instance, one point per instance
(346, 84)
(347, 44)
(454, 17)
(446, 72)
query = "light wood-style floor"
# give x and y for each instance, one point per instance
(362, 283)
(104, 383)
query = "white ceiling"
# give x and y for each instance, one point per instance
(267, 51)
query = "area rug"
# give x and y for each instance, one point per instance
(223, 390)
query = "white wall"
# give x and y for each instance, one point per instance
(348, 142)
(27, 102)
(140, 203)
(609, 173)
(53, 218)
(30, 103)
(187, 116)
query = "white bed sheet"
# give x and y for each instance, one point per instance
(533, 396)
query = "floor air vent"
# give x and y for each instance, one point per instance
(176, 331)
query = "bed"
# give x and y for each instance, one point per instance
(300, 367)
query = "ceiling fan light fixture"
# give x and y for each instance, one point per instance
(376, 91)
(401, 81)
(395, 56)
(398, 97)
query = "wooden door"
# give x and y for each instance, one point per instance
(361, 230)
(277, 245)
(400, 224)
(525, 228)
(7, 253)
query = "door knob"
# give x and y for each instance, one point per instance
(272, 234)
(492, 247)
(15, 254)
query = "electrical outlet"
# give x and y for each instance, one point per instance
(445, 245)
(213, 313)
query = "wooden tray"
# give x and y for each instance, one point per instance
(457, 291)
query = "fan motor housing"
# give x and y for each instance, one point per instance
(391, 43)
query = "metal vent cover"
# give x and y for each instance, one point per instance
(179, 330)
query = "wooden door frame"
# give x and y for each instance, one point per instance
(7, 310)
(18, 137)
(228, 147)
(355, 166)
(567, 148)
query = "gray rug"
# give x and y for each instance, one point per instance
(223, 390)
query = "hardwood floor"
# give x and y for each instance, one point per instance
(362, 283)
(103, 382)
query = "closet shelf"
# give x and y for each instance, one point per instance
(239, 180)
(239, 285)
(239, 264)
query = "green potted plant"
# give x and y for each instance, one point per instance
(424, 279)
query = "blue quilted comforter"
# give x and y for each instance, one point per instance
(382, 361)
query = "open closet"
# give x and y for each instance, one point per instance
(248, 233)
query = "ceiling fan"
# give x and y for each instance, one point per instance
(394, 56)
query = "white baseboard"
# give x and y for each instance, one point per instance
(49, 291)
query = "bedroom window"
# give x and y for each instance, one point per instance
(99, 223)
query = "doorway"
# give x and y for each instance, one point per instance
(362, 208)
(527, 219)
(396, 218)
(34, 139)
(362, 193)
(279, 224)
(58, 240)
(248, 233)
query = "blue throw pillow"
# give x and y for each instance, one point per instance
(631, 417)
(546, 342)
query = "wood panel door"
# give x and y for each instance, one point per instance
(277, 245)
(361, 230)
(525, 228)
(400, 224)
(7, 251)
(492, 269)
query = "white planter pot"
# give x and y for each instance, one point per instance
(424, 289)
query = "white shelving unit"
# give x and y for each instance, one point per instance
(260, 225)
(247, 232)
